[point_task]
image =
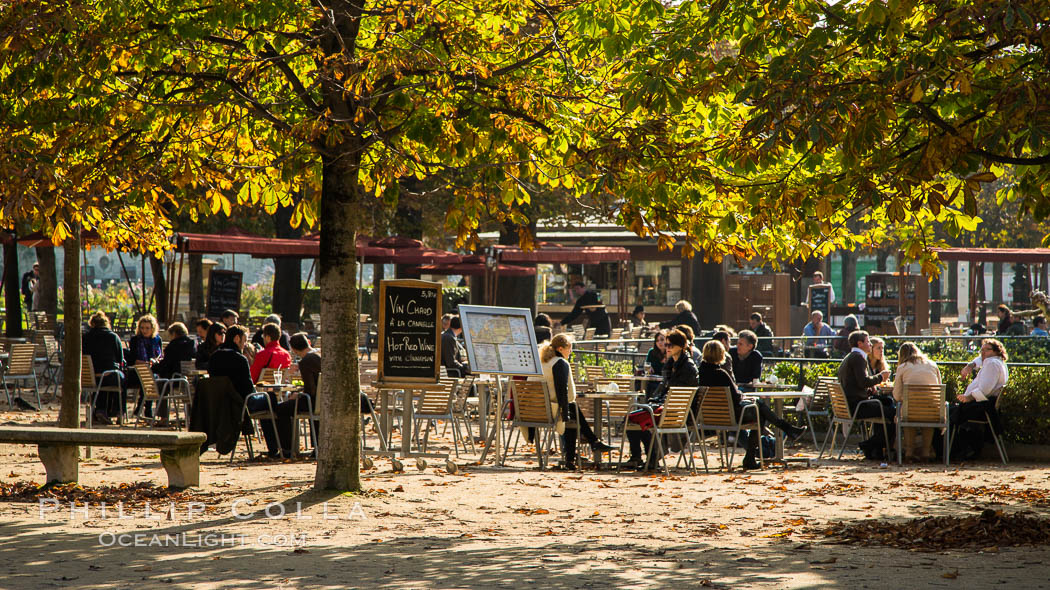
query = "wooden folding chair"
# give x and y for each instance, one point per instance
(160, 391)
(818, 405)
(718, 413)
(843, 419)
(437, 404)
(673, 419)
(532, 409)
(20, 371)
(923, 406)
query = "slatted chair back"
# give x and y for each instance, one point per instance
(149, 384)
(822, 394)
(839, 405)
(588, 334)
(187, 367)
(87, 373)
(51, 347)
(267, 376)
(636, 332)
(437, 400)
(716, 408)
(443, 372)
(676, 407)
(623, 384)
(593, 373)
(578, 332)
(924, 403)
(531, 403)
(21, 360)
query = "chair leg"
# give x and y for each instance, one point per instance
(813, 433)
(900, 453)
(8, 394)
(999, 445)
(947, 447)
(830, 434)
(847, 429)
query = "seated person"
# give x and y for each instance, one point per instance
(712, 374)
(144, 348)
(655, 359)
(817, 347)
(542, 324)
(272, 356)
(841, 342)
(554, 358)
(212, 341)
(858, 385)
(227, 361)
(202, 325)
(914, 368)
(107, 354)
(763, 331)
(981, 394)
(722, 337)
(1039, 326)
(180, 348)
(746, 360)
(638, 317)
(452, 350)
(257, 338)
(690, 342)
(679, 371)
(230, 318)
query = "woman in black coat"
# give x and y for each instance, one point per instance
(107, 354)
(180, 349)
(685, 316)
(679, 371)
(713, 374)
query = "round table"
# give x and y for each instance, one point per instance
(778, 398)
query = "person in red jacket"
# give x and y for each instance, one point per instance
(272, 356)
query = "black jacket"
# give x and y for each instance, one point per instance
(228, 362)
(748, 369)
(715, 376)
(452, 354)
(598, 317)
(216, 411)
(686, 317)
(310, 371)
(176, 352)
(104, 348)
(764, 346)
(856, 379)
(680, 373)
(27, 278)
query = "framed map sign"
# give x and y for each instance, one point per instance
(500, 340)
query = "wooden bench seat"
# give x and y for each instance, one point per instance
(58, 447)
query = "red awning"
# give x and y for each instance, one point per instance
(555, 253)
(473, 269)
(257, 246)
(1007, 255)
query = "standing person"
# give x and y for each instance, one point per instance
(712, 374)
(212, 341)
(590, 302)
(679, 371)
(747, 362)
(272, 356)
(229, 318)
(877, 358)
(817, 348)
(983, 392)
(858, 384)
(202, 326)
(29, 280)
(181, 348)
(763, 332)
(554, 359)
(542, 325)
(914, 368)
(144, 348)
(107, 354)
(452, 350)
(685, 316)
(818, 281)
(655, 358)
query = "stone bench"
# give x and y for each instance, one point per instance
(59, 449)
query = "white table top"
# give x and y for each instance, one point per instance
(777, 394)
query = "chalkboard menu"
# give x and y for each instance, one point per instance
(820, 300)
(409, 331)
(224, 291)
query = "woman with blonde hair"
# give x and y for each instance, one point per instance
(685, 316)
(143, 348)
(877, 358)
(554, 360)
(915, 368)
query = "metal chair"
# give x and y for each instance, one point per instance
(843, 419)
(673, 419)
(160, 391)
(532, 409)
(92, 384)
(437, 404)
(996, 436)
(923, 406)
(717, 412)
(20, 370)
(819, 405)
(268, 414)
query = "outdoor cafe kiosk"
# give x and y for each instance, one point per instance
(501, 343)
(409, 355)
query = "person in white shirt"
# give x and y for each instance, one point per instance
(915, 368)
(982, 393)
(818, 281)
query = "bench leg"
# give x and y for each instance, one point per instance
(61, 462)
(183, 466)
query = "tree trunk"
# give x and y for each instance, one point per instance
(849, 277)
(160, 290)
(881, 258)
(288, 272)
(12, 289)
(952, 293)
(338, 457)
(516, 291)
(48, 281)
(982, 298)
(196, 271)
(69, 411)
(997, 283)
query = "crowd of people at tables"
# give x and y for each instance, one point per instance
(222, 349)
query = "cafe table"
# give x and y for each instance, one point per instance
(778, 397)
(598, 398)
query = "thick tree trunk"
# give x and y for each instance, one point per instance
(517, 291)
(12, 290)
(881, 258)
(849, 277)
(287, 276)
(69, 411)
(160, 290)
(48, 282)
(952, 292)
(997, 283)
(338, 458)
(196, 271)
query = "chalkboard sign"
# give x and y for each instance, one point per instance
(820, 300)
(224, 291)
(409, 331)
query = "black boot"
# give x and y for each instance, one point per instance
(568, 445)
(752, 451)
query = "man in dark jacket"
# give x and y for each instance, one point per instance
(452, 350)
(859, 385)
(27, 284)
(589, 302)
(763, 332)
(107, 354)
(227, 361)
(747, 362)
(685, 316)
